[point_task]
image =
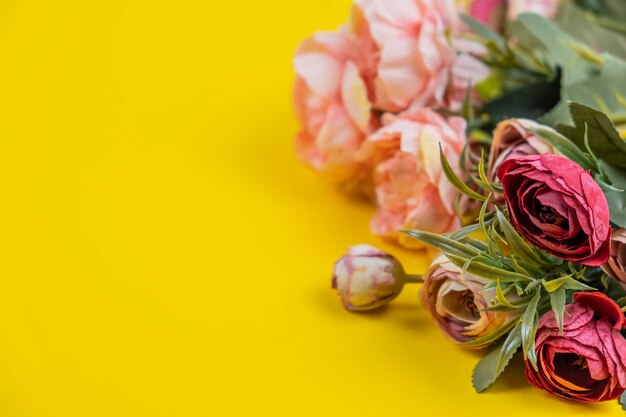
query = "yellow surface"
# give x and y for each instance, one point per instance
(162, 253)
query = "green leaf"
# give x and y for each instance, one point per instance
(485, 32)
(529, 102)
(597, 33)
(447, 245)
(455, 180)
(616, 199)
(517, 243)
(564, 145)
(557, 302)
(489, 368)
(604, 140)
(601, 90)
(529, 326)
(478, 266)
(501, 298)
(622, 401)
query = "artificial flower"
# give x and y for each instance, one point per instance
(558, 207)
(587, 361)
(332, 106)
(412, 192)
(367, 278)
(458, 302)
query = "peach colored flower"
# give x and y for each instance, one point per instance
(412, 192)
(408, 54)
(331, 104)
(458, 302)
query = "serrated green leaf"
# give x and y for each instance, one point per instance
(479, 267)
(622, 401)
(557, 302)
(447, 245)
(529, 321)
(604, 140)
(489, 368)
(456, 181)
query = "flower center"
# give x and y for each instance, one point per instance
(551, 216)
(467, 300)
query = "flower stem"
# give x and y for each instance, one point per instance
(414, 278)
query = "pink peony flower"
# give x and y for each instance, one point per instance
(412, 192)
(587, 362)
(331, 103)
(408, 53)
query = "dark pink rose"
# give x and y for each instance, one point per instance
(558, 207)
(588, 361)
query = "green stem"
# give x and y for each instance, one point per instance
(416, 279)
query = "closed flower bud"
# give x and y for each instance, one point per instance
(367, 278)
(513, 139)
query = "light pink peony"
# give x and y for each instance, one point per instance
(408, 57)
(331, 104)
(412, 192)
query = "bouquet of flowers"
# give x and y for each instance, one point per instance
(493, 131)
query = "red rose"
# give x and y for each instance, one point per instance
(588, 361)
(558, 207)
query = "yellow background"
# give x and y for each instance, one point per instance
(162, 252)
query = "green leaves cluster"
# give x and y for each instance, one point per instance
(539, 66)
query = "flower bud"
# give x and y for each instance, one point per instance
(616, 265)
(512, 139)
(367, 278)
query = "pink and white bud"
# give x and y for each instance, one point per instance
(367, 278)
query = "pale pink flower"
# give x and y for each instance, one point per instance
(408, 56)
(331, 104)
(412, 192)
